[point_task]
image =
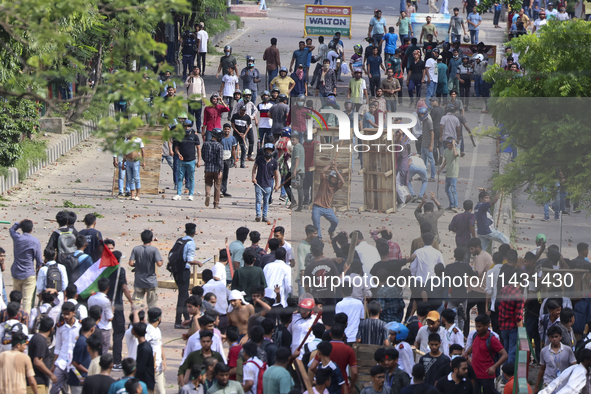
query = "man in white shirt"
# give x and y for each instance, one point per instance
(278, 273)
(301, 323)
(433, 326)
(432, 78)
(202, 39)
(194, 341)
(11, 326)
(65, 338)
(105, 326)
(221, 294)
(47, 307)
(368, 254)
(219, 268)
(251, 368)
(539, 22)
(130, 340)
(426, 258)
(47, 278)
(279, 233)
(572, 379)
(154, 337)
(354, 310)
(71, 296)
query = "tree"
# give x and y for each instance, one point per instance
(544, 111)
(48, 43)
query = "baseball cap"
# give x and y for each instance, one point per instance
(433, 316)
(190, 228)
(269, 146)
(541, 237)
(439, 57)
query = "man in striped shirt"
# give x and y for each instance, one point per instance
(265, 121)
(373, 331)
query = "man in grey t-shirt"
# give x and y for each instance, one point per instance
(450, 125)
(144, 259)
(455, 23)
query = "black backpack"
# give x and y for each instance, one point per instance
(9, 330)
(53, 279)
(38, 318)
(176, 261)
(71, 263)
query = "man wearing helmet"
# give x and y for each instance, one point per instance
(274, 99)
(250, 76)
(213, 159)
(264, 172)
(251, 110)
(212, 116)
(464, 74)
(322, 206)
(298, 115)
(241, 124)
(228, 60)
(188, 151)
(356, 62)
(264, 115)
(283, 82)
(480, 66)
(302, 321)
(238, 100)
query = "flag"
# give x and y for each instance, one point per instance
(87, 284)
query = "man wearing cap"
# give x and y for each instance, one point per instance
(182, 279)
(264, 171)
(433, 327)
(213, 159)
(241, 312)
(322, 206)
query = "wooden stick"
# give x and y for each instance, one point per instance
(309, 331)
(229, 259)
(303, 375)
(270, 235)
(500, 206)
(351, 253)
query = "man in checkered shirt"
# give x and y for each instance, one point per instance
(212, 154)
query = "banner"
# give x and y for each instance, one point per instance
(326, 20)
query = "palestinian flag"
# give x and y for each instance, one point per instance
(87, 284)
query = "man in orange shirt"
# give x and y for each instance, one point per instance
(322, 206)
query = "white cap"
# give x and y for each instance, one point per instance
(237, 295)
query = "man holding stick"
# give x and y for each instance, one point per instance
(322, 206)
(264, 170)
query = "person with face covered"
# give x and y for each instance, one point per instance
(322, 206)
(227, 61)
(212, 116)
(301, 81)
(464, 74)
(264, 115)
(327, 83)
(264, 171)
(298, 116)
(251, 111)
(250, 76)
(302, 321)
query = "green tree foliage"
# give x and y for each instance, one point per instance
(48, 43)
(544, 111)
(18, 120)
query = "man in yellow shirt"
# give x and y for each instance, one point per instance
(282, 82)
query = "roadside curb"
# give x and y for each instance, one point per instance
(55, 151)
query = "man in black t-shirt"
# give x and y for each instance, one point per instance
(100, 383)
(459, 294)
(41, 358)
(392, 267)
(416, 74)
(145, 356)
(118, 315)
(241, 124)
(437, 112)
(189, 153)
(265, 174)
(93, 238)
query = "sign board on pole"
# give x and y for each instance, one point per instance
(326, 20)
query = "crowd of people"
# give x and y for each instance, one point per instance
(250, 324)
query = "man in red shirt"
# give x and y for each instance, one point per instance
(212, 116)
(484, 348)
(510, 310)
(342, 355)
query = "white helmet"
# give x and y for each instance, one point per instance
(479, 57)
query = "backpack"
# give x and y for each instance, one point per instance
(8, 331)
(260, 375)
(71, 262)
(308, 355)
(495, 357)
(40, 315)
(66, 244)
(176, 261)
(53, 277)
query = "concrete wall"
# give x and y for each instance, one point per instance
(222, 36)
(57, 149)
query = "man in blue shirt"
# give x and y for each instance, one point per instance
(377, 28)
(183, 279)
(129, 367)
(390, 39)
(484, 220)
(372, 69)
(474, 21)
(300, 56)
